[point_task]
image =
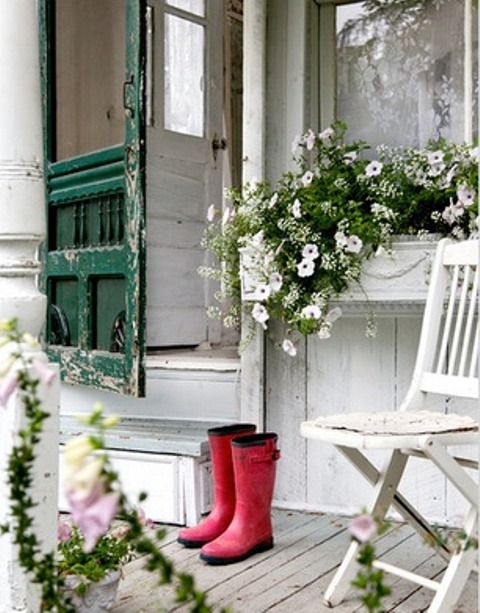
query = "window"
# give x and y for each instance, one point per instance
(405, 72)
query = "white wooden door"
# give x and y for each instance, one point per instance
(184, 95)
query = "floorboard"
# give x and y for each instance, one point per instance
(293, 576)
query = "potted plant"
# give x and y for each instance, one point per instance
(91, 578)
(290, 251)
(89, 552)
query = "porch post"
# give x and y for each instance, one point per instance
(22, 228)
(254, 124)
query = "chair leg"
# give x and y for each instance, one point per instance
(458, 571)
(399, 502)
(384, 491)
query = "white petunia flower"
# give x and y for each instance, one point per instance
(307, 178)
(310, 252)
(465, 195)
(453, 212)
(435, 157)
(289, 348)
(297, 209)
(257, 239)
(273, 201)
(275, 281)
(211, 212)
(374, 168)
(354, 244)
(350, 157)
(263, 290)
(341, 239)
(260, 314)
(312, 311)
(325, 331)
(227, 214)
(436, 170)
(297, 141)
(327, 135)
(310, 139)
(306, 268)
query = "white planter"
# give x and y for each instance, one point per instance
(397, 280)
(394, 281)
(99, 595)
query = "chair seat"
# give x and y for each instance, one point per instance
(391, 429)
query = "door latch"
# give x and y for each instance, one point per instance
(218, 144)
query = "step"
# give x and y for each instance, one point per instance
(167, 459)
(149, 435)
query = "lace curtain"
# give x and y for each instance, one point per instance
(401, 70)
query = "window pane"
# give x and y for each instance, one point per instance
(197, 7)
(184, 76)
(89, 72)
(401, 71)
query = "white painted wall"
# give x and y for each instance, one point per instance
(349, 371)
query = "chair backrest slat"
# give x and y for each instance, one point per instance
(474, 359)
(442, 358)
(460, 319)
(447, 359)
(472, 307)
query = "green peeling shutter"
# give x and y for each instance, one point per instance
(95, 248)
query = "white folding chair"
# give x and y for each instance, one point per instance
(446, 365)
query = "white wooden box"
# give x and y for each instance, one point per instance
(168, 460)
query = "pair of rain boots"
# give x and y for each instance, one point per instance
(239, 525)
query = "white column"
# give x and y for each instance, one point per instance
(22, 212)
(254, 124)
(22, 228)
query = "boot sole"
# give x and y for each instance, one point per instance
(191, 544)
(215, 561)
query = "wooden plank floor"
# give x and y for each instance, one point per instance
(293, 575)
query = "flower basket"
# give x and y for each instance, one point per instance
(99, 595)
(400, 276)
(294, 251)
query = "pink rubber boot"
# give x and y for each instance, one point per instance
(250, 531)
(220, 440)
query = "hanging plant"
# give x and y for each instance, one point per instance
(296, 247)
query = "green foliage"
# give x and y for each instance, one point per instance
(346, 206)
(111, 551)
(454, 540)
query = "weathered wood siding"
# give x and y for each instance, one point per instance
(349, 371)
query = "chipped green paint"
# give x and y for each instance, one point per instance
(96, 234)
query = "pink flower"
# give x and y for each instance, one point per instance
(143, 519)
(7, 388)
(363, 528)
(93, 514)
(64, 531)
(46, 374)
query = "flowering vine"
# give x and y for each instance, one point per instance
(93, 487)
